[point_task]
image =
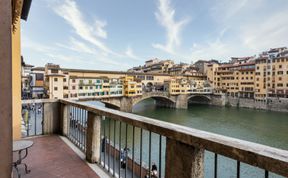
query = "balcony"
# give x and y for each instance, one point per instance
(102, 135)
(50, 157)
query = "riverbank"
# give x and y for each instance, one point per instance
(271, 104)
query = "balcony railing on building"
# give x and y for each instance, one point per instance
(128, 145)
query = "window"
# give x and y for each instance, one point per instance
(55, 79)
(280, 72)
(280, 85)
(64, 80)
(280, 78)
(55, 88)
(280, 66)
(54, 71)
(73, 81)
(73, 87)
(39, 76)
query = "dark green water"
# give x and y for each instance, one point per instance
(264, 127)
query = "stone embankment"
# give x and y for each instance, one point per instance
(271, 104)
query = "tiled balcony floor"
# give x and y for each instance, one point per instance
(50, 157)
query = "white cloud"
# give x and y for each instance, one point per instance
(129, 53)
(227, 8)
(69, 10)
(78, 46)
(270, 33)
(166, 17)
(30, 44)
(243, 28)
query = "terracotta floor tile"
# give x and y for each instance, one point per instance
(50, 157)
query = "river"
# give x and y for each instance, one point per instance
(264, 127)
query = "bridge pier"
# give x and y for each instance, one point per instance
(181, 102)
(126, 104)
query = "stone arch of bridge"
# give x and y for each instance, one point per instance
(200, 99)
(156, 98)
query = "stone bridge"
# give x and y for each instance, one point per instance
(163, 99)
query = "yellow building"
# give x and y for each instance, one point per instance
(132, 87)
(277, 79)
(177, 85)
(235, 79)
(211, 73)
(260, 78)
(272, 74)
(17, 14)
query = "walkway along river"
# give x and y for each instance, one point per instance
(264, 127)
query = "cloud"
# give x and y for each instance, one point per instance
(129, 53)
(270, 33)
(239, 31)
(78, 46)
(30, 44)
(166, 17)
(227, 8)
(70, 12)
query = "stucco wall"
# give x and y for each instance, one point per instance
(16, 81)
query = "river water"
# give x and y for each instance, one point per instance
(264, 127)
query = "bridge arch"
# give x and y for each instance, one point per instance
(199, 99)
(162, 99)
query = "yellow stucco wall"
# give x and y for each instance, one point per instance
(16, 81)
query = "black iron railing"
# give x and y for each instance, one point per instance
(32, 119)
(129, 145)
(129, 151)
(77, 126)
(128, 148)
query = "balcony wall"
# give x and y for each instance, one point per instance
(100, 134)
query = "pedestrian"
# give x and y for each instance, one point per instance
(154, 171)
(123, 157)
(103, 144)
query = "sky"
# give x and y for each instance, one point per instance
(117, 35)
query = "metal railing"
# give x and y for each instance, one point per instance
(130, 151)
(77, 124)
(120, 131)
(32, 118)
(129, 145)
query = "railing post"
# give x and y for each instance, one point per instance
(93, 138)
(65, 119)
(51, 120)
(183, 160)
